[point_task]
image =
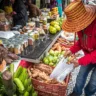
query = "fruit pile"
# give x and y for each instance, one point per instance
(54, 11)
(60, 20)
(55, 26)
(53, 57)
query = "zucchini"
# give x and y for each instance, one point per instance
(26, 84)
(26, 93)
(18, 72)
(19, 85)
(33, 89)
(12, 69)
(29, 88)
(23, 75)
(29, 81)
(34, 94)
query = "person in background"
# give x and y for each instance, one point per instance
(19, 13)
(53, 3)
(47, 3)
(6, 6)
(34, 11)
(82, 19)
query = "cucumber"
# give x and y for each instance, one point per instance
(29, 81)
(26, 84)
(33, 89)
(29, 88)
(26, 93)
(18, 72)
(23, 75)
(19, 85)
(34, 94)
(12, 68)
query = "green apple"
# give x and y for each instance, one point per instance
(45, 60)
(51, 64)
(57, 27)
(54, 22)
(62, 53)
(52, 30)
(55, 59)
(56, 53)
(50, 58)
(51, 52)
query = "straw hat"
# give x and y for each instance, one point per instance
(78, 16)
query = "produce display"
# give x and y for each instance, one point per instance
(16, 83)
(53, 57)
(41, 72)
(55, 26)
(19, 83)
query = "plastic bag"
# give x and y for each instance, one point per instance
(62, 70)
(6, 35)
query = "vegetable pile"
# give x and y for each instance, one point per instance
(65, 42)
(16, 83)
(41, 72)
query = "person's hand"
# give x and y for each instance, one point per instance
(75, 62)
(67, 53)
(13, 13)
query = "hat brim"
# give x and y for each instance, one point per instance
(82, 22)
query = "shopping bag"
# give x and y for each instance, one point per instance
(62, 70)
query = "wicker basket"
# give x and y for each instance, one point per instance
(45, 89)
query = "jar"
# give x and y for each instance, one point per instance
(17, 49)
(11, 48)
(21, 48)
(30, 41)
(44, 21)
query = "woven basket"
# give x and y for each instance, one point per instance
(44, 89)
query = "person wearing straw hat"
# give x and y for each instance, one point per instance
(81, 18)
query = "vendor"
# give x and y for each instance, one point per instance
(19, 13)
(82, 19)
(34, 11)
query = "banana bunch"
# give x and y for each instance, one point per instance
(54, 11)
